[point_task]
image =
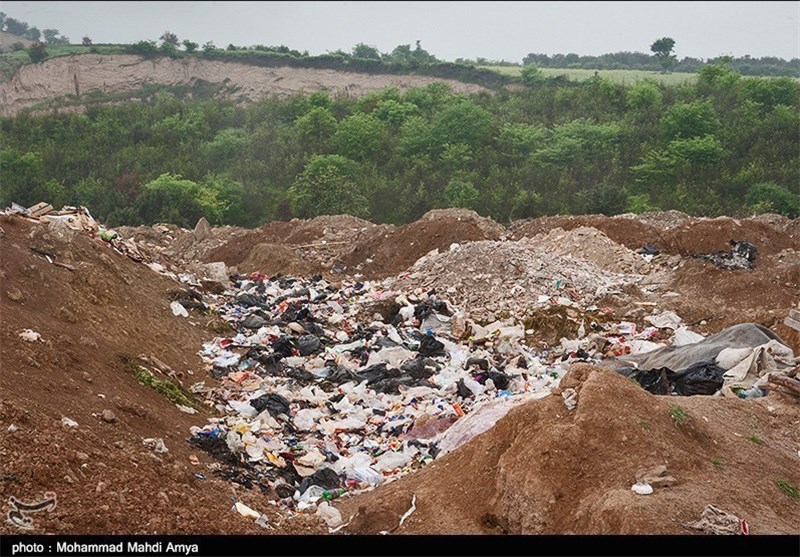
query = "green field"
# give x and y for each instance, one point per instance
(621, 76)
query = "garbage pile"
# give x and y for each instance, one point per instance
(76, 219)
(325, 390)
(511, 277)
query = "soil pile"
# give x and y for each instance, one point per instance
(93, 322)
(396, 248)
(544, 469)
(495, 279)
(80, 74)
(589, 244)
(673, 232)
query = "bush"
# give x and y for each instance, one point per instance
(37, 52)
(770, 197)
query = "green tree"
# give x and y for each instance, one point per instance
(644, 96)
(16, 27)
(170, 198)
(189, 45)
(37, 52)
(360, 137)
(368, 52)
(33, 33)
(461, 122)
(530, 75)
(329, 185)
(770, 197)
(460, 193)
(694, 119)
(316, 127)
(662, 49)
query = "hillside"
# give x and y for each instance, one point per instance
(82, 74)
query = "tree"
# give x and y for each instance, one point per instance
(360, 137)
(86, 41)
(189, 45)
(2, 20)
(16, 27)
(33, 34)
(531, 75)
(37, 52)
(50, 36)
(770, 197)
(368, 52)
(460, 193)
(662, 48)
(209, 47)
(329, 185)
(169, 37)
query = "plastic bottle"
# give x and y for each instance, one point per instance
(333, 494)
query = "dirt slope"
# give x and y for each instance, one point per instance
(105, 479)
(545, 470)
(79, 74)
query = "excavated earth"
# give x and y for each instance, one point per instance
(541, 469)
(77, 75)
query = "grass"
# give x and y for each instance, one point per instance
(644, 424)
(679, 415)
(619, 76)
(166, 388)
(718, 463)
(756, 439)
(789, 489)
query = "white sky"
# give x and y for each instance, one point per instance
(449, 30)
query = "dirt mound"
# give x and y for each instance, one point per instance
(590, 244)
(492, 279)
(94, 320)
(80, 74)
(319, 243)
(672, 233)
(544, 469)
(271, 259)
(391, 251)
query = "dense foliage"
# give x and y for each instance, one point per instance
(746, 65)
(724, 145)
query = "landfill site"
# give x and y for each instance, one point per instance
(634, 374)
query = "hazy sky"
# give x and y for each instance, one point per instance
(449, 30)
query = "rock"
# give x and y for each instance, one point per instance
(216, 271)
(213, 286)
(87, 377)
(61, 230)
(81, 456)
(15, 294)
(119, 444)
(202, 231)
(100, 487)
(657, 477)
(108, 416)
(69, 479)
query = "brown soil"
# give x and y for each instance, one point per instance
(393, 251)
(685, 236)
(545, 470)
(106, 480)
(80, 74)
